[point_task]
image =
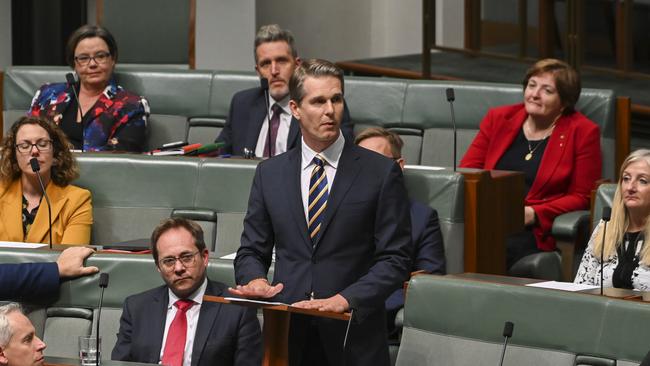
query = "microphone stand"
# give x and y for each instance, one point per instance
(507, 333)
(607, 212)
(103, 283)
(69, 77)
(450, 98)
(265, 86)
(36, 168)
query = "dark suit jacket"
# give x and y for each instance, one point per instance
(29, 281)
(226, 334)
(245, 119)
(363, 252)
(429, 254)
(568, 171)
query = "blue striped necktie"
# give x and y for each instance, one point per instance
(317, 197)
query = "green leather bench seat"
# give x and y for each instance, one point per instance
(418, 109)
(451, 321)
(132, 193)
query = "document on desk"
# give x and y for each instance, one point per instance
(565, 286)
(19, 245)
(238, 299)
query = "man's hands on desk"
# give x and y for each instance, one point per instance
(257, 288)
(260, 288)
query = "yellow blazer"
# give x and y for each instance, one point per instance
(72, 215)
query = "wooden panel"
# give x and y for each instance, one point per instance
(623, 123)
(192, 35)
(494, 209)
(472, 25)
(2, 108)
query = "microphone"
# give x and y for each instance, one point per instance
(450, 99)
(353, 306)
(264, 84)
(36, 168)
(103, 283)
(69, 77)
(607, 214)
(507, 333)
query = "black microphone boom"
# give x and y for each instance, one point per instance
(264, 84)
(450, 98)
(36, 168)
(507, 333)
(103, 283)
(607, 214)
(69, 77)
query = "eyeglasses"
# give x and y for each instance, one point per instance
(99, 58)
(187, 260)
(41, 145)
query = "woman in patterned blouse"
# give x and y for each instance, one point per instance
(106, 117)
(627, 259)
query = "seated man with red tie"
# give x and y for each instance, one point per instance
(171, 324)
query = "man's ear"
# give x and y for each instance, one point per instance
(295, 109)
(3, 358)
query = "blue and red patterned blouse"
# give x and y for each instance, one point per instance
(117, 121)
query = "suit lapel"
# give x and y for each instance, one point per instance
(506, 137)
(258, 116)
(38, 232)
(292, 172)
(11, 225)
(347, 171)
(294, 132)
(552, 155)
(158, 316)
(207, 319)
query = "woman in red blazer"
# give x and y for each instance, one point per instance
(556, 147)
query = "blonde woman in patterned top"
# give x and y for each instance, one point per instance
(626, 258)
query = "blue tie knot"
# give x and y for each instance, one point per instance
(318, 161)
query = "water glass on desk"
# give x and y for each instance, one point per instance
(88, 350)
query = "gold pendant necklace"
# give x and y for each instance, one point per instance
(531, 150)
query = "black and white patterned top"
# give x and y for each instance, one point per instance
(589, 270)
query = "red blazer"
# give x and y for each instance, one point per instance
(568, 171)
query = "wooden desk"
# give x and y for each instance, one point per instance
(494, 209)
(276, 327)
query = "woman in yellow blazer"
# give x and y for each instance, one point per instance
(23, 214)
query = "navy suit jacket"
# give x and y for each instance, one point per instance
(226, 334)
(245, 119)
(29, 281)
(363, 252)
(429, 254)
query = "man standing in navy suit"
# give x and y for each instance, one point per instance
(429, 251)
(172, 324)
(338, 218)
(247, 126)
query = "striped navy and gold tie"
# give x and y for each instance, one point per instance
(317, 197)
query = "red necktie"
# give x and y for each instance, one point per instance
(177, 334)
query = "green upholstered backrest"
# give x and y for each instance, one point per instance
(443, 190)
(417, 110)
(604, 198)
(461, 322)
(132, 193)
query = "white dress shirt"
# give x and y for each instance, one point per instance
(192, 320)
(283, 129)
(331, 155)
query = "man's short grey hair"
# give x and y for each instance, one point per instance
(311, 68)
(273, 33)
(6, 331)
